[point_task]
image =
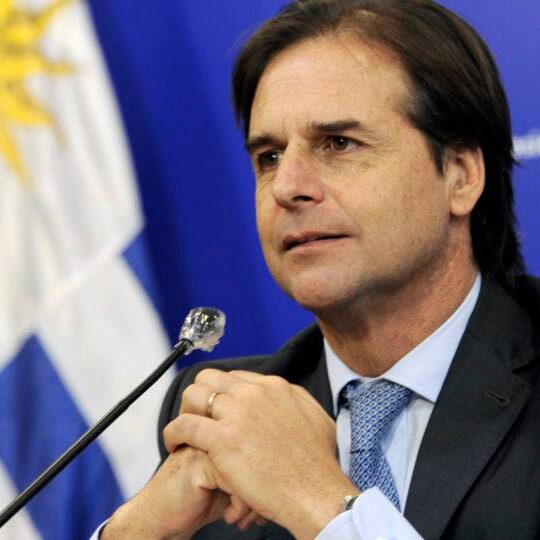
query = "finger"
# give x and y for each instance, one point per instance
(248, 376)
(219, 506)
(236, 511)
(265, 380)
(246, 522)
(219, 381)
(197, 399)
(191, 429)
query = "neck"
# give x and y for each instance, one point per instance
(372, 337)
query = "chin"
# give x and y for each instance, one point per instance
(320, 297)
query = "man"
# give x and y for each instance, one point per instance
(380, 139)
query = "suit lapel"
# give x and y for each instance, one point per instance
(318, 385)
(480, 400)
(301, 361)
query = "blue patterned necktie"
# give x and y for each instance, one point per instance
(373, 409)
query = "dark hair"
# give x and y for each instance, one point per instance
(457, 96)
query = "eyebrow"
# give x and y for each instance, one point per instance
(337, 126)
(252, 143)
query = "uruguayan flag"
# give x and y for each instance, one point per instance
(77, 329)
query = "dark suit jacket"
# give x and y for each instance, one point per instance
(477, 474)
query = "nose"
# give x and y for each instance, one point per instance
(297, 181)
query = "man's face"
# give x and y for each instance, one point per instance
(349, 201)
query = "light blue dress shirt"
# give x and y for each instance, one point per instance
(423, 370)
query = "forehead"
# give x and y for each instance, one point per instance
(328, 76)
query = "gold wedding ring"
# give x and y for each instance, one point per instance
(211, 402)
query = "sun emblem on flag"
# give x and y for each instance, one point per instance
(21, 58)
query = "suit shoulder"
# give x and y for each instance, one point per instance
(527, 293)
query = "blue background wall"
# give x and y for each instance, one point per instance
(170, 61)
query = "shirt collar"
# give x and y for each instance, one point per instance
(423, 369)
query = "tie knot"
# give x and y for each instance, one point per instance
(373, 407)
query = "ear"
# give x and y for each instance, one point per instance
(465, 172)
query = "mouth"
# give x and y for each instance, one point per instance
(294, 241)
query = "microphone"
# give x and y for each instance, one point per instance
(202, 329)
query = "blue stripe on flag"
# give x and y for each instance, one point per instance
(136, 255)
(42, 421)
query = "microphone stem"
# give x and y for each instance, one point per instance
(183, 346)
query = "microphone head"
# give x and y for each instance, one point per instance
(203, 327)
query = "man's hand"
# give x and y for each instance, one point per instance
(185, 494)
(270, 441)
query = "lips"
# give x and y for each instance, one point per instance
(294, 240)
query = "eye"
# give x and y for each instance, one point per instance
(339, 143)
(268, 160)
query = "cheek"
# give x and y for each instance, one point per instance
(423, 219)
(393, 209)
(265, 223)
(372, 204)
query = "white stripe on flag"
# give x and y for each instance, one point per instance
(21, 526)
(101, 358)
